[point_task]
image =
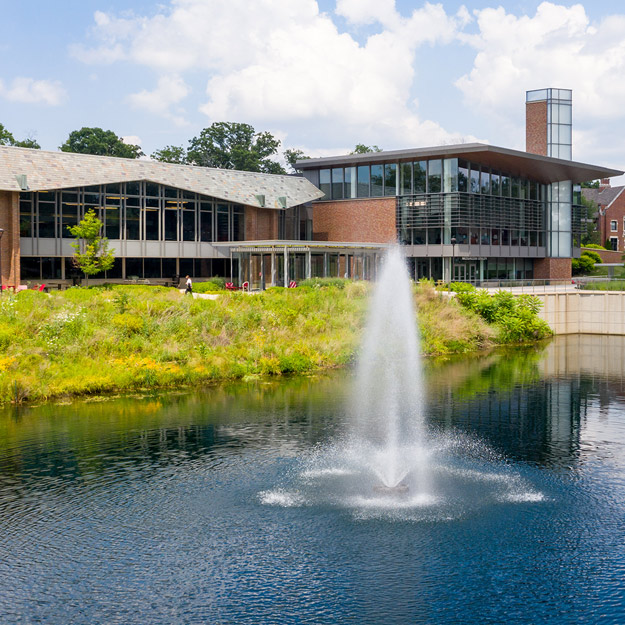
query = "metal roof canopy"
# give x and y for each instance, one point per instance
(302, 246)
(544, 169)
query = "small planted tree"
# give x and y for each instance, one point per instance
(92, 254)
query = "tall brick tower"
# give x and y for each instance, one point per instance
(548, 123)
(548, 119)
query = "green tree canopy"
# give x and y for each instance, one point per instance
(100, 142)
(7, 138)
(590, 185)
(171, 154)
(91, 249)
(361, 148)
(292, 156)
(232, 145)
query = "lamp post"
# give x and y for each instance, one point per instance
(453, 257)
(1, 283)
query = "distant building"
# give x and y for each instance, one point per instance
(610, 214)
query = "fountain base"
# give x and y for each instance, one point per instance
(399, 489)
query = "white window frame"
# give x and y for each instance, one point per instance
(614, 248)
(614, 225)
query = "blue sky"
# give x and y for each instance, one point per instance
(322, 75)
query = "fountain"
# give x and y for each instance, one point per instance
(388, 464)
(386, 423)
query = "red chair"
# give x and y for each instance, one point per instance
(230, 286)
(292, 284)
(41, 288)
(245, 286)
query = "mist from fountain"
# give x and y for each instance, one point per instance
(387, 406)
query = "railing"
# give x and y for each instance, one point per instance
(542, 286)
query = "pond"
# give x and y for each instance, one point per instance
(227, 505)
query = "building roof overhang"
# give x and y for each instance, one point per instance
(544, 169)
(46, 171)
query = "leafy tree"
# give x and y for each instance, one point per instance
(171, 154)
(594, 184)
(232, 145)
(100, 142)
(590, 234)
(7, 138)
(28, 143)
(361, 148)
(91, 250)
(292, 156)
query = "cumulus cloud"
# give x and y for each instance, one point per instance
(31, 91)
(556, 47)
(169, 91)
(282, 62)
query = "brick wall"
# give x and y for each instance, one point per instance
(616, 212)
(536, 127)
(10, 242)
(552, 269)
(261, 224)
(607, 256)
(366, 220)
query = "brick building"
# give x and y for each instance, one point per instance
(610, 214)
(464, 212)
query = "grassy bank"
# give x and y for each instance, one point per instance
(99, 340)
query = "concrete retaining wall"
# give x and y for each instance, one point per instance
(585, 312)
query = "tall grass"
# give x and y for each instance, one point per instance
(127, 337)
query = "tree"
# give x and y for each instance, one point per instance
(590, 185)
(100, 142)
(292, 156)
(590, 234)
(361, 148)
(232, 145)
(28, 143)
(91, 250)
(7, 138)
(171, 154)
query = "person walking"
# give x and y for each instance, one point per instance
(189, 288)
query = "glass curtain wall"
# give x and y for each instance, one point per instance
(133, 211)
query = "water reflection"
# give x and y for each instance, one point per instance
(107, 507)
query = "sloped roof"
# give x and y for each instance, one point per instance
(602, 197)
(545, 169)
(60, 170)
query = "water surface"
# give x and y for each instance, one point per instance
(230, 505)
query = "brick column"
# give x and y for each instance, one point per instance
(10, 242)
(536, 127)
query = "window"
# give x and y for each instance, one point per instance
(390, 179)
(324, 183)
(614, 244)
(337, 183)
(377, 180)
(363, 181)
(614, 226)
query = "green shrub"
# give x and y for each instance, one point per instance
(594, 246)
(319, 283)
(585, 264)
(515, 317)
(461, 287)
(213, 285)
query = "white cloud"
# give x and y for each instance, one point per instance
(170, 90)
(131, 140)
(284, 62)
(557, 47)
(31, 91)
